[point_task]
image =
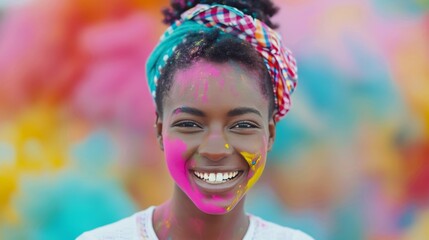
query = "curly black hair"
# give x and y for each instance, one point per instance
(216, 46)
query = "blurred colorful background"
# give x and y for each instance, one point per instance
(78, 148)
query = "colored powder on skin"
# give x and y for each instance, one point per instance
(164, 226)
(251, 158)
(240, 192)
(177, 111)
(205, 72)
(215, 73)
(186, 80)
(197, 91)
(216, 197)
(257, 166)
(255, 172)
(176, 163)
(256, 169)
(206, 88)
(226, 145)
(211, 72)
(201, 90)
(185, 84)
(256, 175)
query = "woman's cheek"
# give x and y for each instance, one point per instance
(175, 151)
(256, 163)
(175, 154)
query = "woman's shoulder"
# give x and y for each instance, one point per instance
(126, 228)
(267, 230)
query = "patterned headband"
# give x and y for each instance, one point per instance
(279, 61)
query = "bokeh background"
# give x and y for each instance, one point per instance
(77, 144)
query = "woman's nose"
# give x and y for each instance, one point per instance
(214, 147)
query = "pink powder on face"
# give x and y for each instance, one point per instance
(184, 81)
(195, 83)
(211, 69)
(175, 151)
(177, 111)
(197, 77)
(211, 73)
(206, 88)
(197, 90)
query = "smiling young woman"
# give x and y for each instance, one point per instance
(220, 79)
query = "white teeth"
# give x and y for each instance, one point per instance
(212, 177)
(216, 178)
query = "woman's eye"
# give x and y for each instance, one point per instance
(245, 125)
(187, 124)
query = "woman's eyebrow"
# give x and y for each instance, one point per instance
(243, 110)
(189, 110)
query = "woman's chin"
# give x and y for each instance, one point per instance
(212, 209)
(217, 207)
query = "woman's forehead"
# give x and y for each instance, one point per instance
(230, 75)
(217, 85)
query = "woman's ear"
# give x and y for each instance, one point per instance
(271, 132)
(158, 126)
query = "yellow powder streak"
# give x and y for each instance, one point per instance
(250, 158)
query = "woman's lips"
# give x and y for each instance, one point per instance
(216, 181)
(216, 177)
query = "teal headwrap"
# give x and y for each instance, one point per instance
(165, 49)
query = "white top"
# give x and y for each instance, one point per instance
(139, 226)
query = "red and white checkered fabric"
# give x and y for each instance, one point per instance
(278, 59)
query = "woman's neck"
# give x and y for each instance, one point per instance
(179, 218)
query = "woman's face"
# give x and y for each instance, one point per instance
(215, 133)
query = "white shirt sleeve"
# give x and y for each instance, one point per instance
(301, 236)
(86, 236)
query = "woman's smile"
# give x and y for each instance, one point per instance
(217, 182)
(216, 177)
